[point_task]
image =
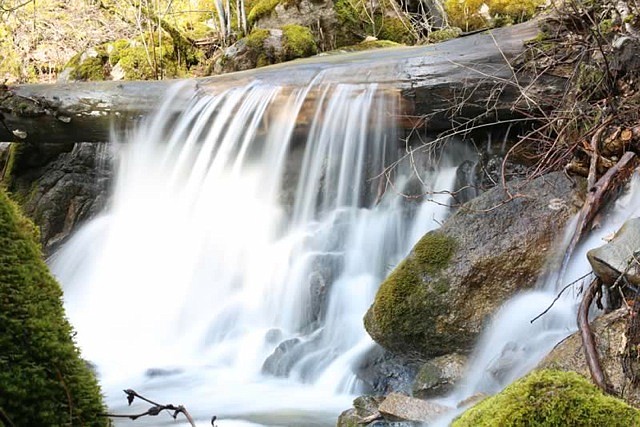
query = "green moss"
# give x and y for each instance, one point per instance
(43, 380)
(395, 29)
(262, 8)
(89, 65)
(550, 399)
(444, 35)
(298, 42)
(468, 14)
(357, 20)
(412, 296)
(255, 42)
(9, 165)
(368, 45)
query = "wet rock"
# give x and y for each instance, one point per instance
(438, 376)
(437, 300)
(619, 256)
(60, 187)
(397, 406)
(611, 341)
(383, 372)
(280, 362)
(364, 408)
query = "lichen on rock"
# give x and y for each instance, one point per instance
(550, 398)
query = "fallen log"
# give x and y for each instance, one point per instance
(468, 78)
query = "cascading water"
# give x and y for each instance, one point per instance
(209, 281)
(513, 345)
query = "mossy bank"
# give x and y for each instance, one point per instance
(43, 379)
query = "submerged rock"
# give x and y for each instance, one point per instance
(438, 299)
(383, 372)
(550, 398)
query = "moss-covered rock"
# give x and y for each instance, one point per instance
(550, 398)
(437, 300)
(474, 14)
(266, 47)
(298, 42)
(130, 59)
(43, 380)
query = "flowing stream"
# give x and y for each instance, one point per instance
(244, 241)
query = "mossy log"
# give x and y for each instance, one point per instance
(465, 78)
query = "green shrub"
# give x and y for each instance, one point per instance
(550, 398)
(43, 380)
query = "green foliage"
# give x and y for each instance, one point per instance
(550, 398)
(89, 65)
(358, 19)
(444, 35)
(395, 29)
(412, 293)
(298, 42)
(262, 8)
(43, 380)
(468, 14)
(368, 45)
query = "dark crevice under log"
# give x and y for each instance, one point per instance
(467, 78)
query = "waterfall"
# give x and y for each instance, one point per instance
(243, 243)
(513, 343)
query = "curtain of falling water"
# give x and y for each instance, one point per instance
(243, 244)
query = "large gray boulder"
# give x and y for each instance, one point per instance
(438, 299)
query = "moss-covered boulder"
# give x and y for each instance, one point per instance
(474, 14)
(130, 59)
(550, 398)
(266, 47)
(43, 380)
(436, 301)
(337, 23)
(611, 340)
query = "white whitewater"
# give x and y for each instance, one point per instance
(202, 265)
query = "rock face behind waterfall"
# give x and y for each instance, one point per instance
(60, 187)
(437, 300)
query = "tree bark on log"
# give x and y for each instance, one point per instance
(469, 78)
